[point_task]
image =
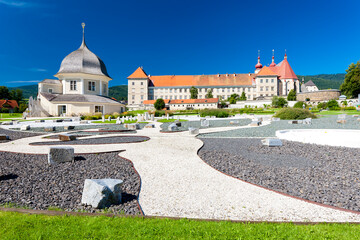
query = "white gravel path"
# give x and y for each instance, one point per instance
(177, 183)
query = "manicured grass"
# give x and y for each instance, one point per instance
(171, 120)
(349, 112)
(10, 115)
(24, 226)
(138, 111)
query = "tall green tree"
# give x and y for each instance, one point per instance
(292, 95)
(351, 85)
(242, 97)
(4, 93)
(278, 102)
(209, 94)
(193, 92)
(16, 94)
(159, 104)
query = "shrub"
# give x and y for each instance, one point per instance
(220, 113)
(278, 102)
(4, 110)
(161, 113)
(350, 108)
(300, 104)
(159, 104)
(321, 105)
(333, 105)
(294, 113)
(292, 95)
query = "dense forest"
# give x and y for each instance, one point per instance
(323, 81)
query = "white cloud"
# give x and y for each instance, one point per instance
(18, 4)
(37, 69)
(29, 81)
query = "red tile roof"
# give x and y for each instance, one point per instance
(266, 71)
(139, 73)
(184, 101)
(284, 70)
(10, 103)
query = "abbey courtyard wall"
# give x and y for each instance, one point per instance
(317, 96)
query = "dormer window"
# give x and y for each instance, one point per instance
(73, 85)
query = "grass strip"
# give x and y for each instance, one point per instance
(26, 226)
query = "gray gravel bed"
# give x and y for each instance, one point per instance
(324, 174)
(98, 140)
(26, 180)
(14, 135)
(212, 124)
(328, 122)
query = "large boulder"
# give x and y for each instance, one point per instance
(49, 129)
(101, 193)
(193, 131)
(60, 154)
(150, 125)
(173, 127)
(67, 128)
(25, 127)
(133, 126)
(272, 142)
(178, 123)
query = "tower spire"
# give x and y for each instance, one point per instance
(285, 57)
(273, 64)
(83, 36)
(258, 66)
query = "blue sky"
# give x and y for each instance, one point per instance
(177, 36)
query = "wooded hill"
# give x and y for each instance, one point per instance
(323, 81)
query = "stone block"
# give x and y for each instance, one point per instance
(101, 193)
(173, 127)
(307, 121)
(272, 142)
(40, 121)
(25, 127)
(178, 123)
(49, 129)
(193, 131)
(67, 120)
(342, 121)
(234, 122)
(60, 154)
(7, 123)
(293, 122)
(66, 128)
(133, 126)
(58, 120)
(84, 122)
(150, 125)
(255, 123)
(4, 137)
(67, 137)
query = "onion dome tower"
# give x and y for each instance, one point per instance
(273, 64)
(258, 66)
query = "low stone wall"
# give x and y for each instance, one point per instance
(317, 96)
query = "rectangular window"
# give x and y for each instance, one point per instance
(73, 85)
(132, 90)
(180, 90)
(99, 109)
(142, 90)
(228, 89)
(175, 97)
(133, 97)
(272, 80)
(142, 97)
(267, 80)
(180, 97)
(261, 81)
(170, 90)
(267, 88)
(261, 89)
(272, 88)
(104, 88)
(166, 97)
(175, 90)
(133, 83)
(91, 86)
(50, 90)
(142, 83)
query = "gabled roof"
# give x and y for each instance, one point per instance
(284, 70)
(184, 101)
(11, 103)
(266, 71)
(139, 73)
(310, 84)
(202, 80)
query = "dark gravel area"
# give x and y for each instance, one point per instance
(14, 135)
(212, 123)
(98, 140)
(27, 180)
(324, 174)
(328, 122)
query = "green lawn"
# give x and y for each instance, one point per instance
(10, 115)
(349, 112)
(24, 226)
(171, 120)
(138, 111)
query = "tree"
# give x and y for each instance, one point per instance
(292, 95)
(16, 94)
(4, 93)
(233, 98)
(209, 94)
(351, 85)
(242, 97)
(193, 93)
(159, 104)
(333, 105)
(278, 102)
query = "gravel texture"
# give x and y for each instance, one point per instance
(212, 123)
(323, 174)
(328, 122)
(27, 180)
(98, 140)
(13, 135)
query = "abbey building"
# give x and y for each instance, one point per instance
(266, 82)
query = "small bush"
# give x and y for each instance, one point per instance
(321, 105)
(278, 102)
(333, 105)
(220, 113)
(300, 104)
(159, 113)
(294, 114)
(350, 108)
(159, 104)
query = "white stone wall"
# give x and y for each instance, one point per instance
(266, 86)
(193, 105)
(137, 91)
(56, 88)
